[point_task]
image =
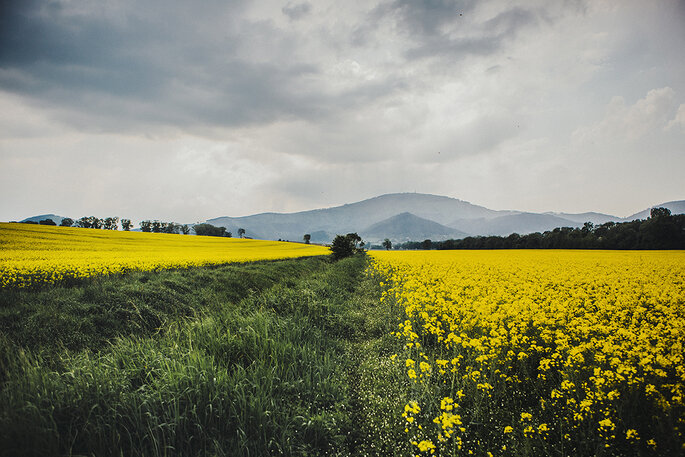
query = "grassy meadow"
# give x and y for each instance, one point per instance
(511, 353)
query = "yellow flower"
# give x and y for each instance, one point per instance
(426, 445)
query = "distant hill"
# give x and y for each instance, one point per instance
(522, 223)
(354, 217)
(406, 216)
(408, 227)
(676, 207)
(57, 219)
(377, 218)
(581, 218)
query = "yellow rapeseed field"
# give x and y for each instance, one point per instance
(541, 352)
(35, 254)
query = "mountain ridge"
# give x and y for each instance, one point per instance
(430, 216)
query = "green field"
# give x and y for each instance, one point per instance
(268, 358)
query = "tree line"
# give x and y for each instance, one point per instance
(661, 230)
(152, 226)
(107, 223)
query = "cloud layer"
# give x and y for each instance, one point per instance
(180, 111)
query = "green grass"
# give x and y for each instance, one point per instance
(271, 358)
(91, 314)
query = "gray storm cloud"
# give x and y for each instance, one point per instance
(531, 105)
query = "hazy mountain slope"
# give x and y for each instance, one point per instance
(406, 216)
(57, 219)
(408, 227)
(517, 223)
(595, 218)
(355, 217)
(676, 207)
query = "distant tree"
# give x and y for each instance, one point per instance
(387, 244)
(659, 212)
(342, 246)
(307, 237)
(209, 230)
(241, 232)
(661, 230)
(66, 222)
(146, 226)
(170, 227)
(427, 245)
(229, 234)
(89, 222)
(156, 227)
(47, 222)
(126, 224)
(110, 223)
(354, 239)
(185, 229)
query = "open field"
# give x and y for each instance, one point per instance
(541, 352)
(35, 255)
(276, 364)
(511, 353)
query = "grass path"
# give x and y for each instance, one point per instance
(276, 358)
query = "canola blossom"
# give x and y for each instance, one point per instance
(540, 352)
(33, 255)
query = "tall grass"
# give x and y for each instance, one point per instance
(264, 375)
(91, 314)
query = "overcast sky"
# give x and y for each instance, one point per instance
(185, 111)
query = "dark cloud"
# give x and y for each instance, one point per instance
(449, 27)
(264, 106)
(296, 11)
(135, 68)
(425, 17)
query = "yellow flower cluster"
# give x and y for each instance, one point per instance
(581, 339)
(34, 254)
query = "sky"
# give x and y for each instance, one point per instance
(185, 111)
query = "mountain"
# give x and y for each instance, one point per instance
(406, 216)
(581, 218)
(355, 217)
(676, 207)
(522, 224)
(57, 219)
(408, 227)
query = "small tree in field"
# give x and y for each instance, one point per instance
(345, 246)
(342, 247)
(307, 237)
(387, 244)
(126, 224)
(241, 232)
